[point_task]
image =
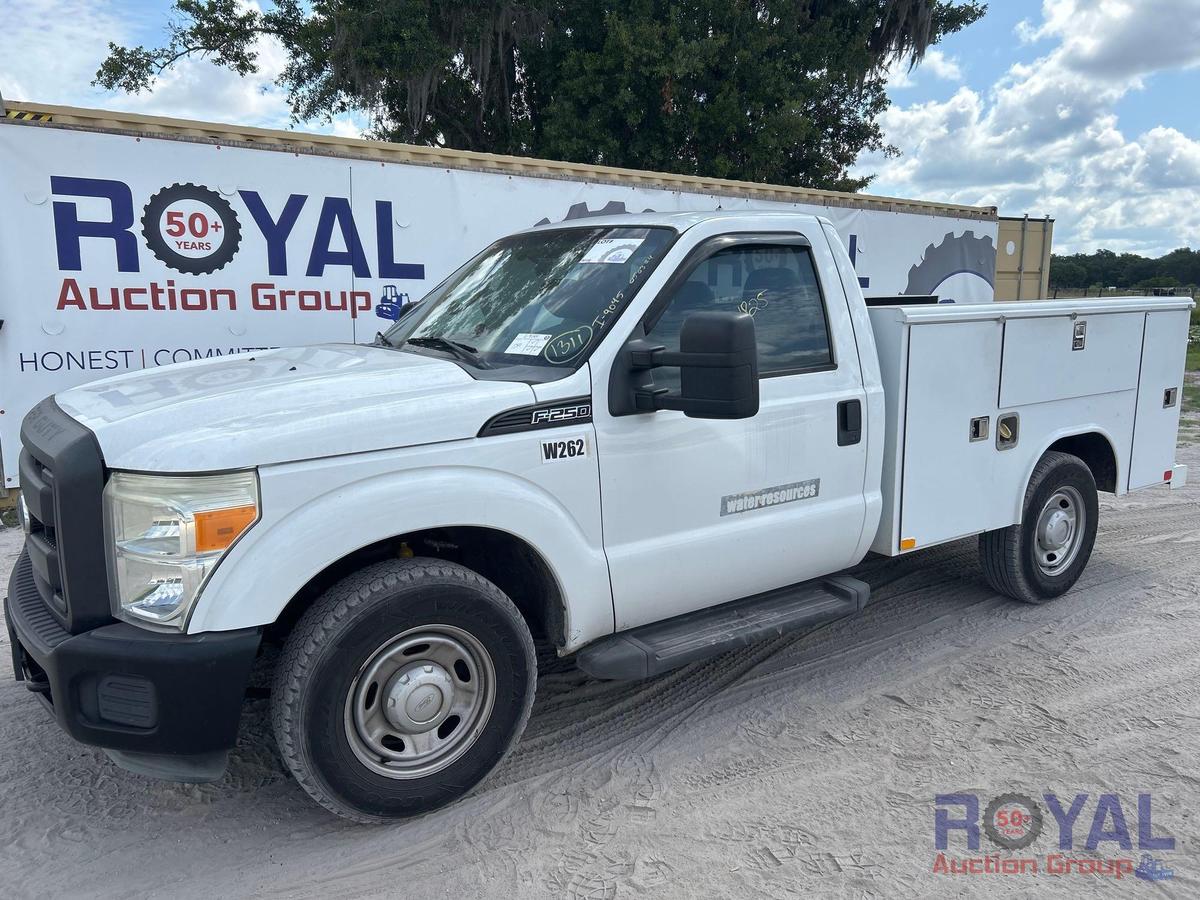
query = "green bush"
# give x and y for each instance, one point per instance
(1193, 350)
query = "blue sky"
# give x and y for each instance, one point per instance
(1084, 110)
(987, 49)
(985, 52)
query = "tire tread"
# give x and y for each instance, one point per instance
(1000, 550)
(326, 617)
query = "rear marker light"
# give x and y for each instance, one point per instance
(1167, 474)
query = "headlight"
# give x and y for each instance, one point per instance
(166, 533)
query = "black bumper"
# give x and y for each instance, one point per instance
(126, 688)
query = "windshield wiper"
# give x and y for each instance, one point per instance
(458, 349)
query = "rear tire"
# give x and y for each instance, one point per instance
(1041, 557)
(401, 688)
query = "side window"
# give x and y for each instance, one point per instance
(777, 285)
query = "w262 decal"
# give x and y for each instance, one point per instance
(568, 448)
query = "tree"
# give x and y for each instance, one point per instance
(1159, 281)
(1128, 270)
(787, 92)
(1066, 273)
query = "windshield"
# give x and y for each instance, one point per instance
(538, 301)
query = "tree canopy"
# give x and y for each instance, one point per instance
(1104, 268)
(784, 92)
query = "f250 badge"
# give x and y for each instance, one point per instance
(561, 414)
(569, 448)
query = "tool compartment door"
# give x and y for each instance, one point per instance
(1044, 361)
(950, 483)
(1164, 347)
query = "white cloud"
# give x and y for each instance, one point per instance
(198, 89)
(1123, 38)
(53, 48)
(935, 62)
(942, 66)
(348, 126)
(63, 42)
(1045, 138)
(1027, 32)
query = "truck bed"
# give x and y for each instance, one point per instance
(1110, 370)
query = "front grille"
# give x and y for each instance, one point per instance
(62, 480)
(37, 486)
(41, 546)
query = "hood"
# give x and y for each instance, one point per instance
(284, 405)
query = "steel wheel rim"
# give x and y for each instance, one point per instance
(420, 701)
(1059, 531)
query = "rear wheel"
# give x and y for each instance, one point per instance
(402, 688)
(1043, 556)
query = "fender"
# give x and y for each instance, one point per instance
(1066, 432)
(304, 528)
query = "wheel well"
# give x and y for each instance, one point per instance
(1097, 453)
(507, 561)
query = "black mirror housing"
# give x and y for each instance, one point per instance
(728, 390)
(718, 363)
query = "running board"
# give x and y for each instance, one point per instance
(662, 646)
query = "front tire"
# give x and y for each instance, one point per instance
(1041, 557)
(401, 688)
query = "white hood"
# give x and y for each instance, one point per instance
(283, 405)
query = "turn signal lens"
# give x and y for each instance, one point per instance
(908, 543)
(218, 528)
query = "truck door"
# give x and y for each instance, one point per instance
(698, 512)
(1160, 384)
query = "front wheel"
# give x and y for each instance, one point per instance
(1043, 556)
(401, 688)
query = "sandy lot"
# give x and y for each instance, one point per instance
(807, 765)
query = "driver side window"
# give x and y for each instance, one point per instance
(776, 285)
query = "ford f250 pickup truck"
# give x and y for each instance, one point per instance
(642, 439)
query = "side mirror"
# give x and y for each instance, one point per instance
(718, 363)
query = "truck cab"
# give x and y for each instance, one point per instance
(641, 439)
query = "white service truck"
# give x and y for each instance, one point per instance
(643, 439)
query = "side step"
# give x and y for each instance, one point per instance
(662, 646)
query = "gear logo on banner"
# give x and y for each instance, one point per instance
(968, 255)
(191, 229)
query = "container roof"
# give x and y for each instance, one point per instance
(41, 115)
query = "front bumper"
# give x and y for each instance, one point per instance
(128, 689)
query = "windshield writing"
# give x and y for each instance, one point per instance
(537, 299)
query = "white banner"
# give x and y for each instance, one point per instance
(119, 252)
